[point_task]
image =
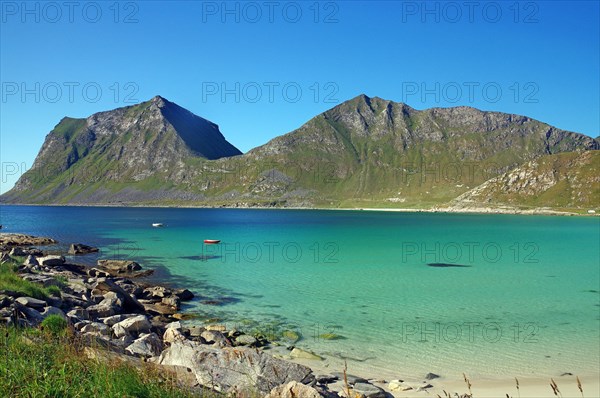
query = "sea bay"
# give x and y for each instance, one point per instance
(404, 293)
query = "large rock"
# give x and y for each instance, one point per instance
(31, 261)
(112, 320)
(102, 310)
(148, 345)
(17, 252)
(184, 294)
(51, 261)
(43, 280)
(78, 314)
(234, 369)
(32, 302)
(4, 258)
(172, 335)
(160, 309)
(54, 311)
(23, 240)
(172, 301)
(302, 354)
(96, 328)
(156, 292)
(80, 248)
(135, 324)
(293, 389)
(5, 301)
(105, 284)
(33, 316)
(214, 337)
(97, 273)
(368, 390)
(119, 266)
(351, 378)
(246, 339)
(400, 385)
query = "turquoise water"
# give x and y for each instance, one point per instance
(510, 295)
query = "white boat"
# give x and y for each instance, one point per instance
(157, 224)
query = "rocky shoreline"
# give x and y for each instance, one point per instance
(110, 307)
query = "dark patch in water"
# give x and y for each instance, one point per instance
(199, 258)
(447, 265)
(221, 301)
(591, 291)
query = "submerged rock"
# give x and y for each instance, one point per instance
(299, 353)
(246, 339)
(80, 248)
(368, 390)
(351, 378)
(184, 294)
(119, 266)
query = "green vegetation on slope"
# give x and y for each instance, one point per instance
(567, 181)
(365, 152)
(11, 282)
(46, 363)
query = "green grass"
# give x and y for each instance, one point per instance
(38, 364)
(11, 281)
(55, 325)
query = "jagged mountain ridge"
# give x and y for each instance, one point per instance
(363, 151)
(130, 143)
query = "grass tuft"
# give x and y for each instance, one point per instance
(12, 282)
(38, 364)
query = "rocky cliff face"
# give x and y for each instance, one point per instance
(370, 149)
(152, 140)
(363, 152)
(566, 180)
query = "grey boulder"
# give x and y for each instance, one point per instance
(293, 389)
(135, 324)
(234, 369)
(51, 261)
(148, 345)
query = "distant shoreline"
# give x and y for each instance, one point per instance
(442, 210)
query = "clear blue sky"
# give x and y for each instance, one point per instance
(542, 56)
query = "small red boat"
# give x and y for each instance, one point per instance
(211, 241)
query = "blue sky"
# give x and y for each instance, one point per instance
(261, 69)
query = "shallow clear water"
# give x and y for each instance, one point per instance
(508, 295)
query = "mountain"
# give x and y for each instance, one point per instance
(370, 150)
(561, 181)
(149, 143)
(364, 152)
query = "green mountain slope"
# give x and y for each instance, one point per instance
(147, 145)
(366, 152)
(567, 181)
